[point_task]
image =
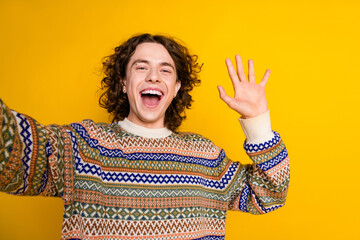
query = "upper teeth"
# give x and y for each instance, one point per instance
(155, 92)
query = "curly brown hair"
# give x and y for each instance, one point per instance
(114, 67)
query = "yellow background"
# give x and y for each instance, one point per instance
(50, 63)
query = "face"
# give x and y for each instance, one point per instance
(150, 84)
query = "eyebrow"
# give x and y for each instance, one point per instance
(148, 62)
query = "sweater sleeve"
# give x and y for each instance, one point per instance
(262, 186)
(31, 155)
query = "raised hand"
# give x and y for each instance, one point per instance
(249, 100)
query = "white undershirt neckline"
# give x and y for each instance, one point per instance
(143, 131)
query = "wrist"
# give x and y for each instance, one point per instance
(254, 114)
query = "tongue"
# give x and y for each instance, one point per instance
(150, 100)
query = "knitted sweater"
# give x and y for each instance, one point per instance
(118, 185)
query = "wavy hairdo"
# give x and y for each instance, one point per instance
(114, 67)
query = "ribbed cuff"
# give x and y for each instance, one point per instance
(257, 129)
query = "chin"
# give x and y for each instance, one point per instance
(152, 119)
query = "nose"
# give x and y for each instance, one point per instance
(153, 76)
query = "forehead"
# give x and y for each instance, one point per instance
(152, 52)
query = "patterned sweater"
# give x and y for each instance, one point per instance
(117, 185)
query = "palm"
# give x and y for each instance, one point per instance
(249, 98)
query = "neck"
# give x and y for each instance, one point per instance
(158, 123)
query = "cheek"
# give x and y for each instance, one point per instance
(131, 85)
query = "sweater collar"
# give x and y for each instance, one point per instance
(143, 131)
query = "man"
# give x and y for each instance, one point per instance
(139, 178)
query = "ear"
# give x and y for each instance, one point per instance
(177, 87)
(123, 85)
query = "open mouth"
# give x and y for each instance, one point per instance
(151, 98)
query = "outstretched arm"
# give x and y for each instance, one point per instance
(30, 155)
(264, 184)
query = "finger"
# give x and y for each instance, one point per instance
(233, 76)
(223, 95)
(240, 69)
(265, 78)
(251, 71)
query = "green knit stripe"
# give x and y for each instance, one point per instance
(264, 156)
(140, 214)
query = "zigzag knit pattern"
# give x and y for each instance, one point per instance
(116, 185)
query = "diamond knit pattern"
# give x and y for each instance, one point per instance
(116, 185)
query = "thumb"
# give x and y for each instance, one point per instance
(223, 95)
